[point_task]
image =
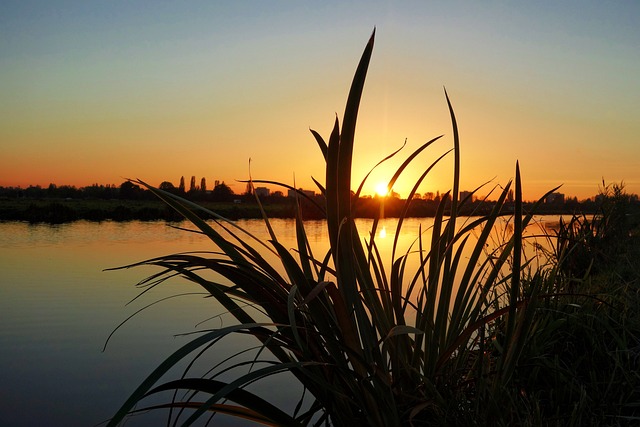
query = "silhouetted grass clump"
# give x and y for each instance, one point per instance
(475, 335)
(587, 245)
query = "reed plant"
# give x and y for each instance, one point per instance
(370, 340)
(588, 244)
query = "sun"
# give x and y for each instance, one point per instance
(381, 189)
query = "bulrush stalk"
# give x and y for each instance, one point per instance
(462, 339)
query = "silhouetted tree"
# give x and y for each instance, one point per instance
(167, 186)
(129, 190)
(222, 193)
(98, 191)
(203, 185)
(192, 184)
(63, 191)
(181, 186)
(34, 192)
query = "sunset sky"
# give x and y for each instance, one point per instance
(96, 92)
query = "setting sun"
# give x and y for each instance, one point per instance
(381, 189)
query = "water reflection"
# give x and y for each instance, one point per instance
(58, 306)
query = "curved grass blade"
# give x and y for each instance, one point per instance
(170, 362)
(258, 408)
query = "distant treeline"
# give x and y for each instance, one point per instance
(58, 204)
(126, 191)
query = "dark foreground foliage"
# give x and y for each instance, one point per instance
(479, 334)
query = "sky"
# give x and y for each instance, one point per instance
(97, 92)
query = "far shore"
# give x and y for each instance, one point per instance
(62, 210)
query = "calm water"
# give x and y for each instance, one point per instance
(58, 306)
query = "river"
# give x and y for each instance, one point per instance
(58, 306)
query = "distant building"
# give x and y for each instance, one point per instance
(262, 191)
(464, 194)
(555, 198)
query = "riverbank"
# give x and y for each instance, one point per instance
(57, 211)
(62, 210)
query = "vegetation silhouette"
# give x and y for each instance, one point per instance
(484, 338)
(130, 201)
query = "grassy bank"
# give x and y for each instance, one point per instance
(56, 211)
(60, 210)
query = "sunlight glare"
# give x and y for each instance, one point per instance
(381, 189)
